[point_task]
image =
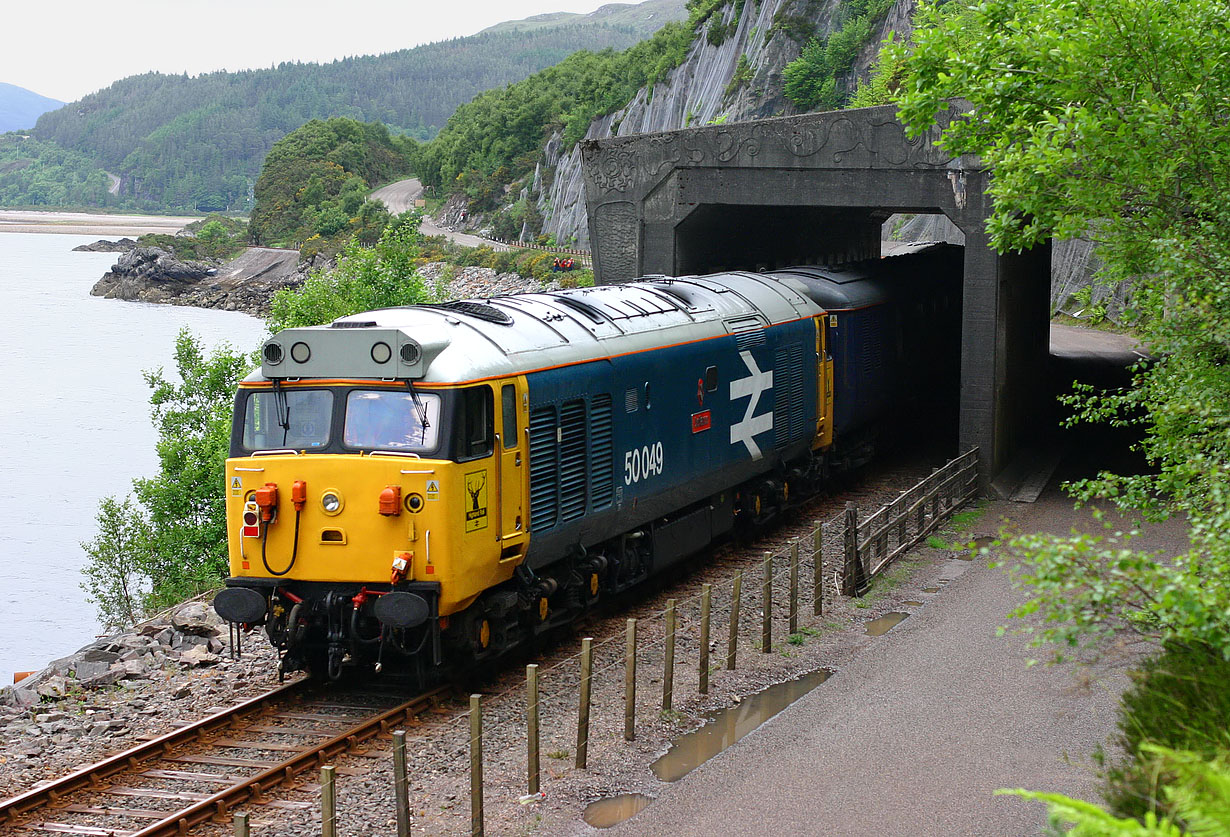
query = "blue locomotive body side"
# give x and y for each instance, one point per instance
(620, 442)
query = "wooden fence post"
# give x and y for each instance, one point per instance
(817, 568)
(668, 664)
(401, 788)
(630, 683)
(766, 594)
(476, 766)
(794, 587)
(531, 732)
(734, 622)
(587, 671)
(934, 488)
(706, 596)
(854, 581)
(328, 802)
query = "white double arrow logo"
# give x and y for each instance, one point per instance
(754, 385)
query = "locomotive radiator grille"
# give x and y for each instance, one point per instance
(544, 484)
(572, 460)
(601, 445)
(789, 380)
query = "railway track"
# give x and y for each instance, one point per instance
(204, 770)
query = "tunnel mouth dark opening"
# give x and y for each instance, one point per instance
(714, 238)
(925, 316)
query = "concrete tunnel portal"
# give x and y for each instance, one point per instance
(816, 189)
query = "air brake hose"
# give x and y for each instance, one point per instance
(294, 551)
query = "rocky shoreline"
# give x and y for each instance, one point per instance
(173, 668)
(248, 283)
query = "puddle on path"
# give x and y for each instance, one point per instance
(729, 725)
(881, 626)
(975, 551)
(912, 604)
(609, 812)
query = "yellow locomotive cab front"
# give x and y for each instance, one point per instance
(370, 512)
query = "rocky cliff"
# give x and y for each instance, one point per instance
(708, 87)
(247, 283)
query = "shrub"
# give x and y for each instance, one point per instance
(1180, 699)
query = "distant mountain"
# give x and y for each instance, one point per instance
(647, 16)
(196, 143)
(20, 108)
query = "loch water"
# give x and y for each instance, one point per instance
(74, 426)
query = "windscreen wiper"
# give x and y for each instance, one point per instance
(281, 406)
(421, 409)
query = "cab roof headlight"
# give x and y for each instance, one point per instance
(331, 502)
(381, 352)
(300, 353)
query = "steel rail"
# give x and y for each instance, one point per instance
(16, 806)
(218, 805)
(16, 810)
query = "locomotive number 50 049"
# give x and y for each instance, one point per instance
(642, 463)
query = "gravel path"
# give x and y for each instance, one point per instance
(917, 732)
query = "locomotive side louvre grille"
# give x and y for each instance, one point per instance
(572, 460)
(631, 402)
(871, 359)
(788, 424)
(601, 446)
(748, 339)
(544, 477)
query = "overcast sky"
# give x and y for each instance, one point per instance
(68, 48)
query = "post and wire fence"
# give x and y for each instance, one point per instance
(673, 646)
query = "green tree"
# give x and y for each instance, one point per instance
(366, 277)
(1108, 118)
(114, 581)
(816, 78)
(171, 542)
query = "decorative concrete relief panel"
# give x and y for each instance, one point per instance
(618, 229)
(870, 138)
(660, 202)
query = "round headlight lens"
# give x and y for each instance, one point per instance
(300, 353)
(331, 502)
(381, 353)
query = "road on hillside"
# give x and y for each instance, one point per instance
(400, 196)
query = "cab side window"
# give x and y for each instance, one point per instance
(508, 404)
(477, 422)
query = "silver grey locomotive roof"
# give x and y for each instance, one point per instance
(509, 335)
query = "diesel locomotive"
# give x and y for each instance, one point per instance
(435, 484)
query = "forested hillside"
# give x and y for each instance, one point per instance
(314, 183)
(510, 153)
(197, 143)
(34, 173)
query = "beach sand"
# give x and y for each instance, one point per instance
(84, 223)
